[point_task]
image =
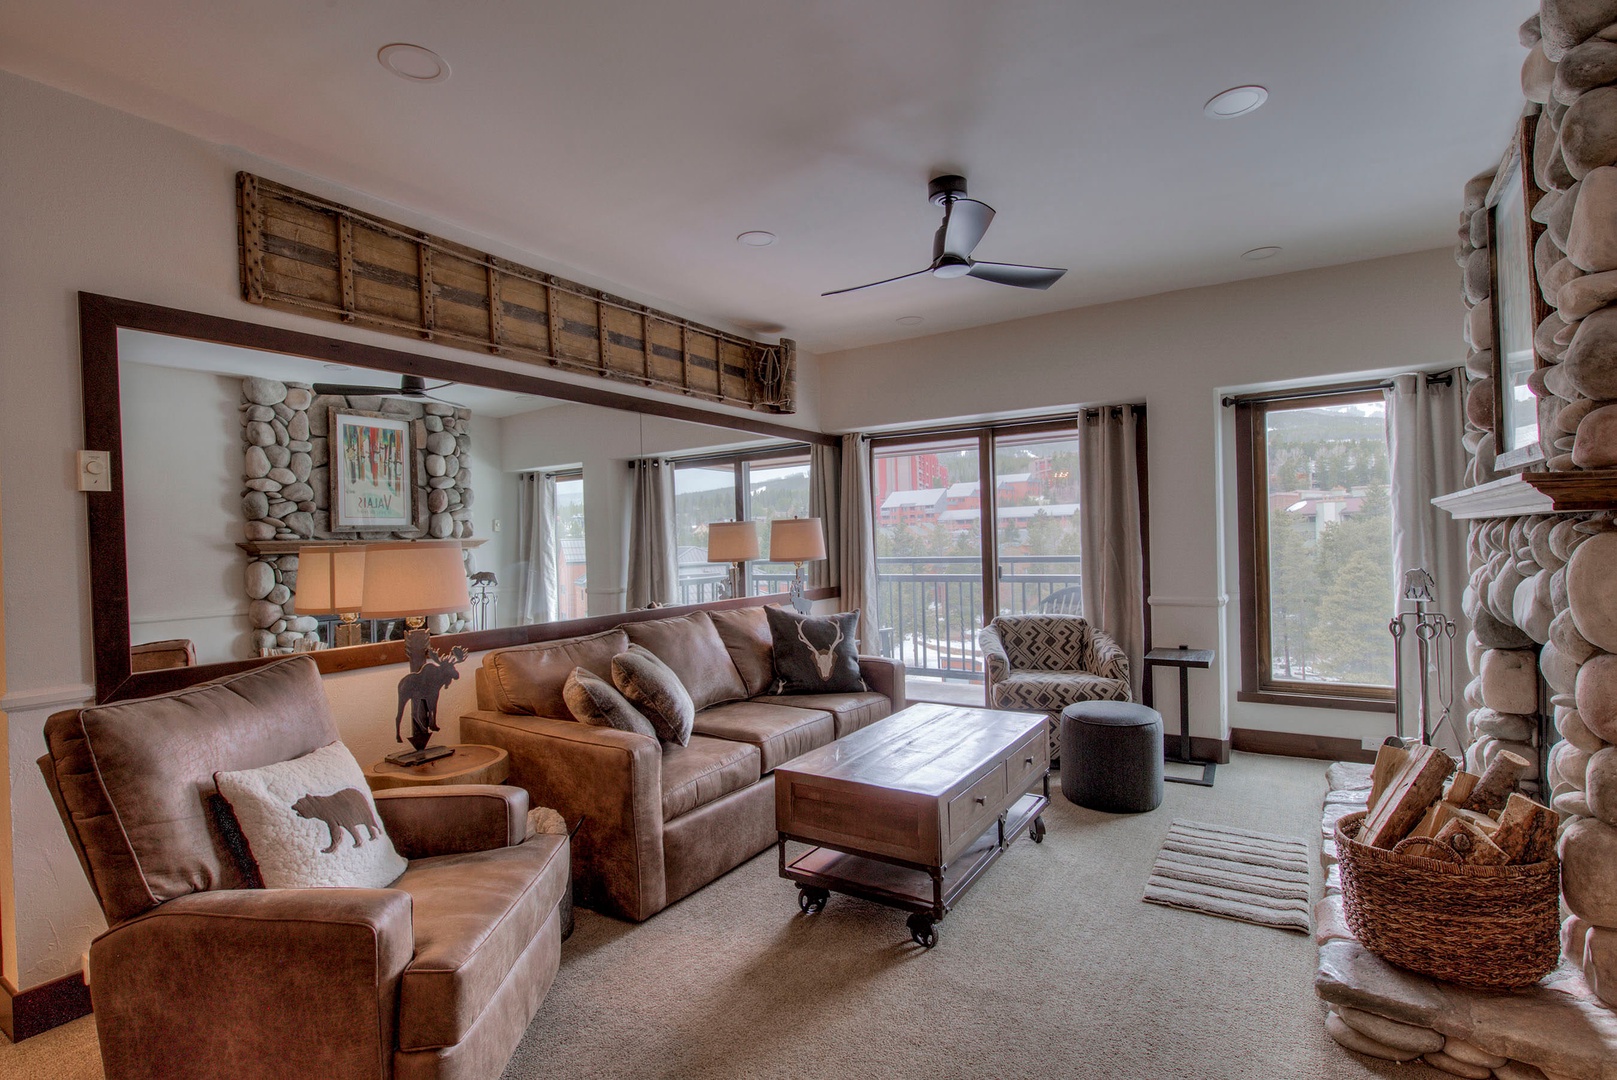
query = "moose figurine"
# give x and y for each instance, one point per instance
(420, 689)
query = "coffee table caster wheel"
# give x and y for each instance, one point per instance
(811, 899)
(923, 931)
(1036, 830)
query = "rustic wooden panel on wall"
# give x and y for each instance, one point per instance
(306, 254)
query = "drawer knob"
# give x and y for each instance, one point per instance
(982, 800)
(1029, 761)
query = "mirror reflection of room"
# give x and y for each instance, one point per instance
(255, 480)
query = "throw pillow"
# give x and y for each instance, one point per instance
(594, 701)
(653, 688)
(815, 654)
(311, 822)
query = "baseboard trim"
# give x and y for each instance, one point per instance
(1201, 747)
(26, 1013)
(1291, 744)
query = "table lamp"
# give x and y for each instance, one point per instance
(331, 581)
(409, 580)
(733, 542)
(797, 540)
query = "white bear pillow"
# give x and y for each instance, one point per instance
(311, 823)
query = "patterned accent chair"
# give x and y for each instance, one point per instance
(1043, 663)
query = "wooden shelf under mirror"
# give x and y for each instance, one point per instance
(1577, 492)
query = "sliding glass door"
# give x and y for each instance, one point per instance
(988, 512)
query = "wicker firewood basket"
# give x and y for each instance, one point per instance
(1494, 927)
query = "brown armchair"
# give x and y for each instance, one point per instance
(197, 976)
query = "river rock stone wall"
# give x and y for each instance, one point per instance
(1543, 588)
(286, 493)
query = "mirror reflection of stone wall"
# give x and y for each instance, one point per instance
(208, 563)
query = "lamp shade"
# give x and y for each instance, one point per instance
(414, 577)
(796, 540)
(732, 541)
(331, 580)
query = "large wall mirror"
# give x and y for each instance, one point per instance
(247, 459)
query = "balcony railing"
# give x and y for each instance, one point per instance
(706, 582)
(930, 607)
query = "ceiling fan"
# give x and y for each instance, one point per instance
(410, 386)
(964, 223)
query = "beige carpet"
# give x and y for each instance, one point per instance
(1051, 968)
(1242, 874)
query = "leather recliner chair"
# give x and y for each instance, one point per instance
(196, 976)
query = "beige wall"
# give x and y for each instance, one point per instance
(97, 200)
(1179, 353)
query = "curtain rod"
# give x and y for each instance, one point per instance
(1439, 378)
(907, 434)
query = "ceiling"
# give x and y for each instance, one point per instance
(627, 144)
(159, 350)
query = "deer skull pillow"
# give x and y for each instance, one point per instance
(814, 654)
(311, 822)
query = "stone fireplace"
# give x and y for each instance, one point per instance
(287, 490)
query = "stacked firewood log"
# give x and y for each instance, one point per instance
(1420, 805)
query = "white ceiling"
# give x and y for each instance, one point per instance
(628, 143)
(159, 350)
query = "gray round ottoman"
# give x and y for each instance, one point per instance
(1111, 756)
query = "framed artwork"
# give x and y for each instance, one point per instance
(1517, 305)
(371, 471)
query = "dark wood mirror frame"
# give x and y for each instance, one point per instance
(100, 319)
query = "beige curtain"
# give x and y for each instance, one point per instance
(856, 540)
(825, 503)
(1425, 422)
(536, 548)
(653, 570)
(1109, 512)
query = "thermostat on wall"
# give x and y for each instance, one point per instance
(95, 470)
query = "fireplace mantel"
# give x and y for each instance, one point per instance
(1578, 492)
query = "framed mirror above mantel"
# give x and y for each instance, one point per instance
(521, 426)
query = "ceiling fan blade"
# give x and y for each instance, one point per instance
(964, 223)
(873, 284)
(1023, 277)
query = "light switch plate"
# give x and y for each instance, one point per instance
(95, 470)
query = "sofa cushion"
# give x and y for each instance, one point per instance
(745, 633)
(595, 701)
(311, 822)
(706, 769)
(529, 678)
(653, 688)
(849, 712)
(467, 939)
(815, 654)
(780, 733)
(693, 649)
(1052, 691)
(134, 776)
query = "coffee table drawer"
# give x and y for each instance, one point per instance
(972, 809)
(1027, 763)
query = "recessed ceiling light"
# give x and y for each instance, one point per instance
(413, 62)
(910, 320)
(1236, 101)
(756, 238)
(1258, 254)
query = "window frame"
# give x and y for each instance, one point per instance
(563, 476)
(1258, 683)
(741, 461)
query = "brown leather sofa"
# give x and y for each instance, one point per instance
(662, 821)
(437, 975)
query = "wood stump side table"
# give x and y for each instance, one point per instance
(471, 763)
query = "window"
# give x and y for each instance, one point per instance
(742, 487)
(942, 546)
(1317, 575)
(570, 583)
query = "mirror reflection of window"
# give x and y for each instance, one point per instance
(702, 494)
(775, 489)
(571, 579)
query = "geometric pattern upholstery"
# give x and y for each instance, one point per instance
(1043, 663)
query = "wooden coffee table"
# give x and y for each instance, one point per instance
(910, 811)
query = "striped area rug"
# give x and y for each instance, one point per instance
(1233, 873)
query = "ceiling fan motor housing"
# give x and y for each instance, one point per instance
(943, 188)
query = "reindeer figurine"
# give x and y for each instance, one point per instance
(420, 689)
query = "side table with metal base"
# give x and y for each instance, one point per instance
(1184, 659)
